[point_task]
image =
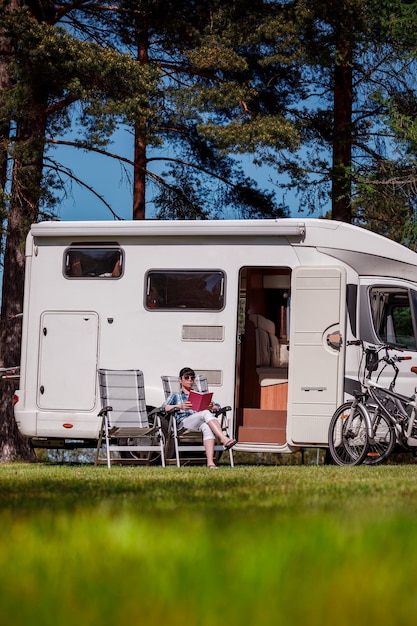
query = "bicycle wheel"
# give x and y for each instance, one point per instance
(384, 440)
(348, 436)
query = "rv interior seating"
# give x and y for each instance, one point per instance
(126, 426)
(271, 357)
(191, 440)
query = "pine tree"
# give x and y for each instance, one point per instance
(49, 71)
(203, 92)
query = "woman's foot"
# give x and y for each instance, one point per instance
(212, 466)
(230, 443)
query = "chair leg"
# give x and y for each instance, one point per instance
(99, 443)
(166, 426)
(107, 444)
(161, 442)
(224, 428)
(177, 454)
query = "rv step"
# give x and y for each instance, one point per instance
(248, 434)
(264, 418)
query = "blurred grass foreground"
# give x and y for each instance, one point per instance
(305, 545)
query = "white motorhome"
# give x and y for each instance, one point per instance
(263, 308)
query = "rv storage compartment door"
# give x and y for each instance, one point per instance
(68, 360)
(316, 360)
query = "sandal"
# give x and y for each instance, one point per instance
(212, 466)
(229, 444)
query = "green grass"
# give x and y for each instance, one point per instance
(305, 545)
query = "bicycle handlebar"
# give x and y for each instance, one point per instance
(379, 348)
(373, 357)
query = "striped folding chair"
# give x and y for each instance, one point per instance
(127, 431)
(189, 441)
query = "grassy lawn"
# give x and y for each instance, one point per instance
(288, 545)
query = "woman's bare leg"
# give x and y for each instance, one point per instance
(209, 448)
(217, 430)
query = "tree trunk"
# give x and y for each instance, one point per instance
(22, 212)
(5, 84)
(6, 56)
(342, 137)
(139, 169)
(12, 445)
(139, 178)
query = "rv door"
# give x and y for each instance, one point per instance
(67, 360)
(316, 364)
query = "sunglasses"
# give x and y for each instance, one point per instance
(188, 377)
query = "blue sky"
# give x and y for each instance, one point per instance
(109, 179)
(102, 173)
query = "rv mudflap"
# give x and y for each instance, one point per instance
(65, 444)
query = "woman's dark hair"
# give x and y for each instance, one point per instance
(186, 370)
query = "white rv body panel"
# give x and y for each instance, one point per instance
(311, 280)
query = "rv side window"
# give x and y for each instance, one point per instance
(185, 289)
(97, 262)
(393, 313)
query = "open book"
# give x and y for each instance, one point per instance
(200, 401)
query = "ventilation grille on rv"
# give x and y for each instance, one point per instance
(214, 377)
(202, 333)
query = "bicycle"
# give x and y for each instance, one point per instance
(398, 410)
(366, 429)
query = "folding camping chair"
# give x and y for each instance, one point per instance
(187, 441)
(124, 417)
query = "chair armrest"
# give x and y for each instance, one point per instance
(105, 410)
(160, 412)
(222, 412)
(157, 411)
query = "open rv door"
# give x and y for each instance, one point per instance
(316, 364)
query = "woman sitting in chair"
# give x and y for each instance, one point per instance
(204, 421)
